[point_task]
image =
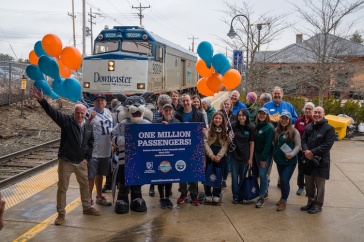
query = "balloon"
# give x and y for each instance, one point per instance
(202, 87)
(42, 84)
(231, 79)
(57, 86)
(34, 73)
(63, 70)
(71, 57)
(225, 69)
(33, 58)
(202, 69)
(214, 82)
(73, 89)
(219, 62)
(39, 49)
(49, 66)
(52, 45)
(205, 51)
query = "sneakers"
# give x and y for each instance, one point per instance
(91, 211)
(195, 202)
(215, 199)
(260, 203)
(300, 191)
(169, 204)
(208, 199)
(102, 201)
(162, 203)
(235, 201)
(60, 219)
(266, 195)
(181, 199)
(223, 185)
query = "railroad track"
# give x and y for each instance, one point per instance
(19, 165)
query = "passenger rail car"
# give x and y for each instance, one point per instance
(131, 60)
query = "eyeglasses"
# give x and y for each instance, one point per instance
(309, 109)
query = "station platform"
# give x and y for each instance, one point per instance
(31, 211)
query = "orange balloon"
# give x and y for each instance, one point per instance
(63, 70)
(33, 58)
(231, 79)
(52, 45)
(202, 69)
(203, 89)
(71, 58)
(214, 82)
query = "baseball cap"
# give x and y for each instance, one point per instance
(167, 106)
(99, 95)
(286, 114)
(265, 110)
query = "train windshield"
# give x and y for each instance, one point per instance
(140, 47)
(106, 46)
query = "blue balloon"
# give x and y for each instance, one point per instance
(73, 89)
(57, 86)
(205, 51)
(49, 66)
(219, 61)
(226, 68)
(38, 49)
(34, 73)
(42, 84)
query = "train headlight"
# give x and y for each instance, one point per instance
(86, 85)
(111, 65)
(140, 86)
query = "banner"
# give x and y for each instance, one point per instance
(159, 153)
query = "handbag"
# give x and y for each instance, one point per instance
(250, 188)
(213, 176)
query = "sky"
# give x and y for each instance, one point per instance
(24, 22)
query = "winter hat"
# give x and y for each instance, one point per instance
(251, 97)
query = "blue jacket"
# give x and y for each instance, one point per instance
(283, 106)
(239, 105)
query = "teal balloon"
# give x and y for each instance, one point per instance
(42, 84)
(38, 49)
(34, 73)
(219, 62)
(205, 51)
(57, 86)
(49, 66)
(226, 68)
(73, 89)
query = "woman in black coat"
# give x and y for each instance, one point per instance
(317, 141)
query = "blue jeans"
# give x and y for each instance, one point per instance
(226, 167)
(238, 169)
(285, 174)
(263, 173)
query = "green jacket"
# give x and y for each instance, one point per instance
(253, 110)
(263, 140)
(279, 156)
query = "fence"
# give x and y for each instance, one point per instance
(11, 74)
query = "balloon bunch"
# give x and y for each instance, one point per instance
(50, 59)
(215, 71)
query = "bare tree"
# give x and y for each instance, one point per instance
(257, 37)
(330, 52)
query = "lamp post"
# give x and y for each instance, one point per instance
(232, 34)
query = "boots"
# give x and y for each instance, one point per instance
(282, 205)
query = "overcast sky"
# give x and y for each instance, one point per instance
(24, 22)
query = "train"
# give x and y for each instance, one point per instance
(132, 61)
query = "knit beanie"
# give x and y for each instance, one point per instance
(251, 97)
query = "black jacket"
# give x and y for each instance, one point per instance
(71, 149)
(197, 116)
(318, 138)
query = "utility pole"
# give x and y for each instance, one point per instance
(73, 16)
(193, 43)
(92, 23)
(83, 27)
(141, 16)
(259, 27)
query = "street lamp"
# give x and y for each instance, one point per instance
(232, 34)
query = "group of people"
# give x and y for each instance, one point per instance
(237, 137)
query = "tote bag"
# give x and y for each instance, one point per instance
(250, 187)
(213, 176)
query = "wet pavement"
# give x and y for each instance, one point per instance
(342, 218)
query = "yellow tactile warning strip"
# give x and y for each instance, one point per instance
(45, 223)
(27, 188)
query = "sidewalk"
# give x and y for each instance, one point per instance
(342, 218)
